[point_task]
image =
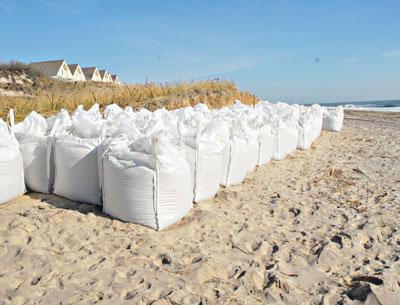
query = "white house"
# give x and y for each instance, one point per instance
(77, 73)
(105, 76)
(115, 79)
(53, 68)
(92, 73)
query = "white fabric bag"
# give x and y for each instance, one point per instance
(253, 148)
(266, 134)
(317, 112)
(235, 157)
(305, 129)
(235, 162)
(112, 111)
(76, 169)
(203, 151)
(286, 139)
(11, 165)
(36, 143)
(310, 125)
(146, 184)
(260, 138)
(266, 144)
(76, 158)
(333, 119)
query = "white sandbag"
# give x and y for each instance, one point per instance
(266, 134)
(184, 113)
(244, 125)
(305, 136)
(76, 169)
(252, 130)
(317, 113)
(284, 123)
(333, 119)
(266, 145)
(310, 125)
(240, 154)
(150, 187)
(203, 108)
(36, 149)
(112, 111)
(88, 124)
(169, 121)
(76, 158)
(253, 149)
(147, 123)
(235, 154)
(235, 159)
(286, 139)
(235, 162)
(11, 166)
(203, 152)
(59, 123)
(261, 139)
(208, 169)
(36, 144)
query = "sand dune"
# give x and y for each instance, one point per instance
(320, 227)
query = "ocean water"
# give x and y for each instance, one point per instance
(387, 106)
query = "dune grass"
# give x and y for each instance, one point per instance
(50, 96)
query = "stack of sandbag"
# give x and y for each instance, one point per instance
(11, 165)
(146, 181)
(76, 157)
(36, 137)
(203, 145)
(333, 119)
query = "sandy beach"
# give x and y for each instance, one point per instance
(320, 227)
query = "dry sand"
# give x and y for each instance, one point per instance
(320, 227)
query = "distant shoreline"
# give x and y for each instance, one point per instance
(377, 106)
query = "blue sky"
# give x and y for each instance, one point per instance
(296, 51)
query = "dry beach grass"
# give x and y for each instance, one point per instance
(29, 91)
(53, 96)
(320, 227)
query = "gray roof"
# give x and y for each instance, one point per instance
(89, 71)
(115, 77)
(73, 68)
(102, 73)
(48, 68)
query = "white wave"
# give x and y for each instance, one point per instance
(380, 109)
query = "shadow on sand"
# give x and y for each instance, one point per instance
(63, 203)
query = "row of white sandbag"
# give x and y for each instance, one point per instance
(87, 129)
(30, 131)
(153, 186)
(76, 154)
